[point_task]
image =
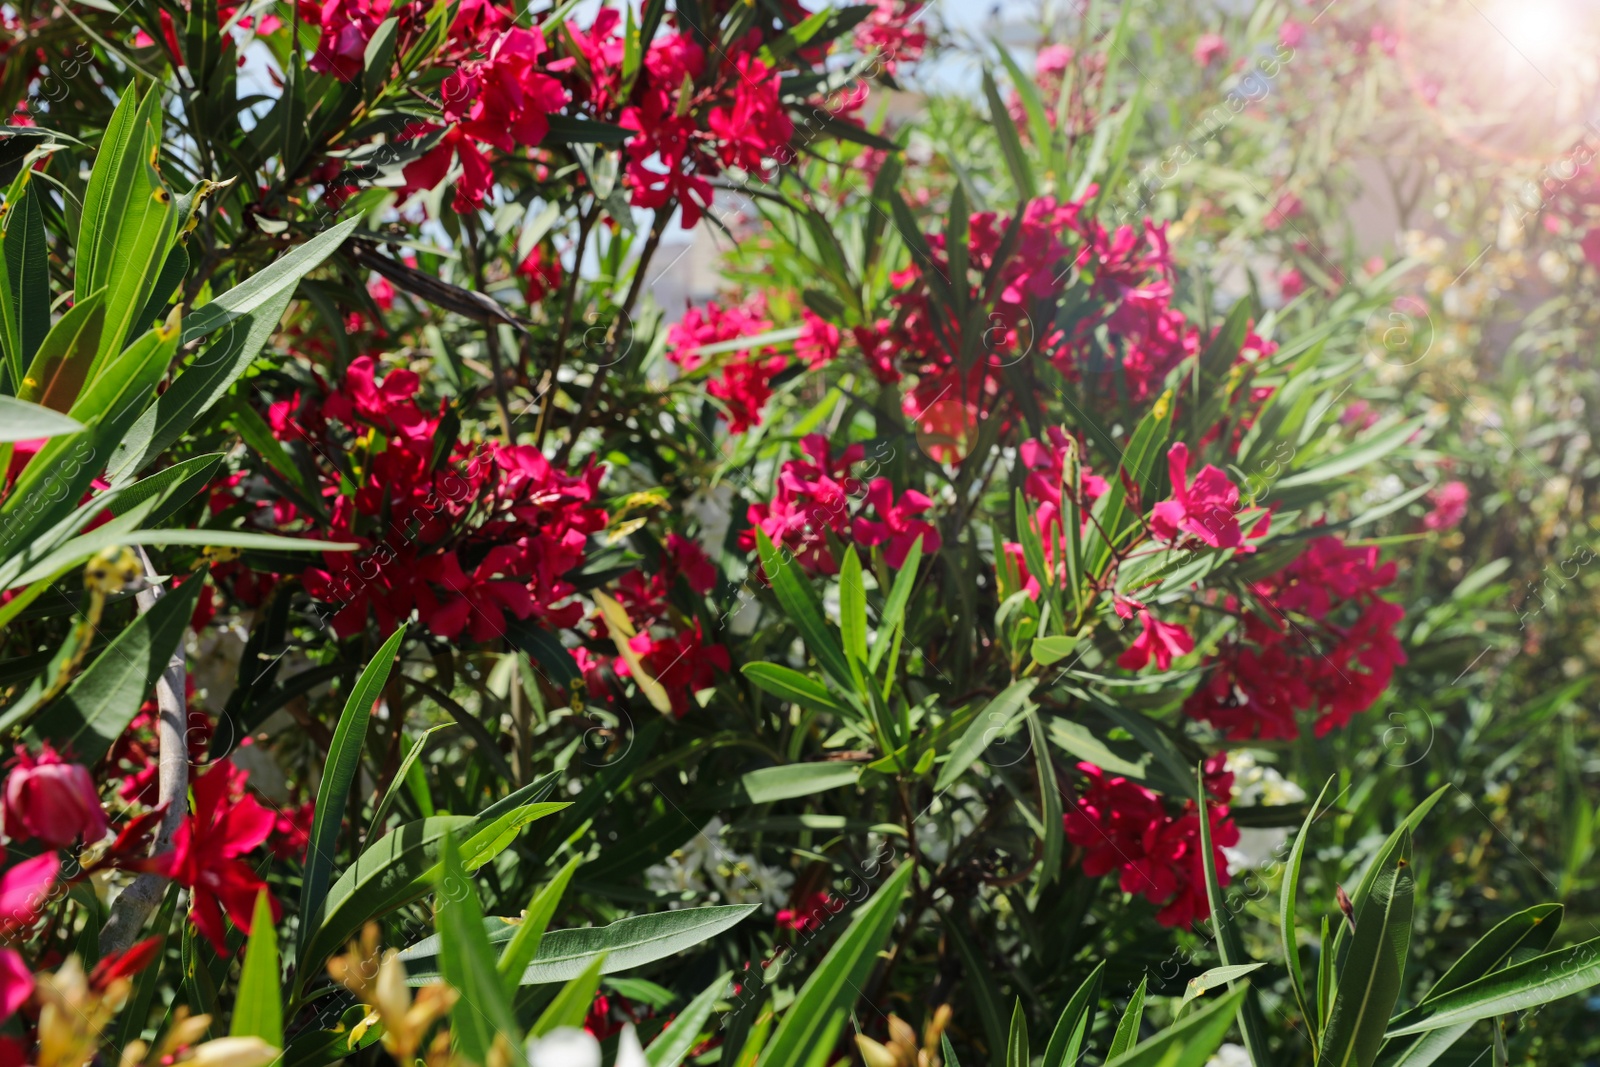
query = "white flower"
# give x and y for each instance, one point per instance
(629, 1052)
(565, 1046)
(1230, 1056)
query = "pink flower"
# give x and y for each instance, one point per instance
(24, 890)
(1159, 640)
(818, 343)
(1209, 47)
(1207, 509)
(1449, 506)
(898, 529)
(1123, 827)
(226, 823)
(16, 983)
(818, 907)
(1291, 34)
(53, 800)
(1287, 207)
(1291, 283)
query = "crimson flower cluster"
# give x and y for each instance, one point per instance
(816, 499)
(671, 647)
(1122, 826)
(1278, 667)
(463, 534)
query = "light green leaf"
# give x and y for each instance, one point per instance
(798, 780)
(789, 684)
(994, 721)
(267, 286)
(1527, 985)
(1077, 1019)
(1128, 1026)
(800, 603)
(258, 1005)
(674, 1043)
(22, 421)
(466, 961)
(819, 1012)
(523, 948)
(571, 1005)
(1187, 1043)
(627, 943)
(1203, 983)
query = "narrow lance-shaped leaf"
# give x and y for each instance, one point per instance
(1229, 944)
(344, 760)
(258, 1005)
(1369, 980)
(483, 1011)
(1127, 1031)
(1077, 1019)
(819, 1011)
(524, 945)
(1286, 915)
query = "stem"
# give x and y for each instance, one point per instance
(547, 381)
(132, 909)
(591, 396)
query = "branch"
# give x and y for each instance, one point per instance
(131, 910)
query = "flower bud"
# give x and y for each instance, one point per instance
(52, 800)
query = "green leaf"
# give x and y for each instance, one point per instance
(1049, 803)
(819, 1012)
(1128, 1026)
(466, 962)
(995, 720)
(97, 707)
(267, 286)
(674, 1043)
(1401, 837)
(381, 812)
(1526, 985)
(1229, 944)
(26, 317)
(1369, 981)
(798, 780)
(1048, 650)
(524, 945)
(572, 1003)
(853, 613)
(117, 156)
(1017, 1043)
(789, 684)
(803, 609)
(1188, 1043)
(344, 761)
(258, 1004)
(141, 230)
(1528, 931)
(1010, 144)
(22, 421)
(199, 385)
(60, 366)
(626, 943)
(50, 486)
(1203, 983)
(1362, 454)
(894, 607)
(1077, 1019)
(1286, 915)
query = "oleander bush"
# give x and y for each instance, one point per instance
(424, 644)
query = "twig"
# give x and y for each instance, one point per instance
(133, 907)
